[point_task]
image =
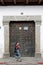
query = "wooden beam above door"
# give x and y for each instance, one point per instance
(21, 2)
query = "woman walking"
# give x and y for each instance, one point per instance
(17, 51)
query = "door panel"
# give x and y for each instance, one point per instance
(24, 33)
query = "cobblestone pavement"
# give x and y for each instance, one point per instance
(25, 61)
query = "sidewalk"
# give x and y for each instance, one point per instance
(25, 61)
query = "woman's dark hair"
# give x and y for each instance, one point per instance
(15, 46)
(16, 43)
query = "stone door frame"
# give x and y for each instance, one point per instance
(6, 21)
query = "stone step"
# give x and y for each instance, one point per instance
(20, 64)
(25, 61)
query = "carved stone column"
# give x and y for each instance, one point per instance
(37, 39)
(6, 40)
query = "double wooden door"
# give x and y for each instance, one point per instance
(24, 33)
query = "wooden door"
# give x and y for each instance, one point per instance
(24, 33)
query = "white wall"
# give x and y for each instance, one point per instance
(13, 11)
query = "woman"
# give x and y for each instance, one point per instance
(17, 51)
